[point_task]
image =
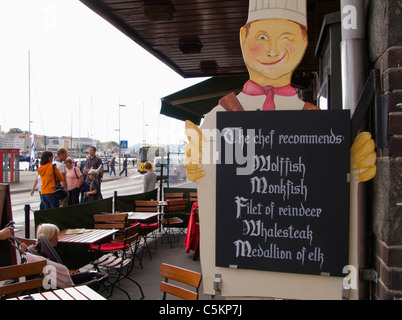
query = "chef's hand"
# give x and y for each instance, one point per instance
(193, 152)
(363, 157)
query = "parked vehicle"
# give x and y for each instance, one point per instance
(175, 170)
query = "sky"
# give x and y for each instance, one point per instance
(81, 69)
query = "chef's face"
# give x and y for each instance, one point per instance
(273, 48)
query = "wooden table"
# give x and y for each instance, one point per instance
(89, 236)
(73, 293)
(142, 216)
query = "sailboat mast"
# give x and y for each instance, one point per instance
(29, 105)
(71, 137)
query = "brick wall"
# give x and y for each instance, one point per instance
(390, 66)
(385, 54)
(388, 263)
(391, 71)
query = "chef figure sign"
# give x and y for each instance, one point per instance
(273, 43)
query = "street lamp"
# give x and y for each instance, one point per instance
(120, 106)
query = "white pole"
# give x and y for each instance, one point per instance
(29, 105)
(119, 139)
(353, 80)
(79, 128)
(353, 52)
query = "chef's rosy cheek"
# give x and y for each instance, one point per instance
(254, 50)
(290, 48)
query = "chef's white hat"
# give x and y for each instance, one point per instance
(294, 10)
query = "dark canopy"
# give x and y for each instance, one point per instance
(194, 102)
(200, 38)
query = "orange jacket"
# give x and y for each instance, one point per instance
(47, 178)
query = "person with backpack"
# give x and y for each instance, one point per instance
(74, 181)
(49, 175)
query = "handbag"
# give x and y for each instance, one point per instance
(59, 191)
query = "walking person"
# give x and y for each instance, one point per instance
(61, 156)
(112, 166)
(125, 162)
(48, 182)
(74, 181)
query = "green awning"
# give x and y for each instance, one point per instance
(196, 101)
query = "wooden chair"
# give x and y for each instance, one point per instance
(173, 196)
(111, 220)
(182, 276)
(174, 217)
(118, 262)
(19, 271)
(149, 226)
(193, 197)
(146, 205)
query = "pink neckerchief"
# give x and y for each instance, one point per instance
(253, 89)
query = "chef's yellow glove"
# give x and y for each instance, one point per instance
(193, 151)
(363, 157)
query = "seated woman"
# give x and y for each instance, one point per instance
(47, 239)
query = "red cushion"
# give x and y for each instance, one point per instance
(134, 224)
(112, 246)
(151, 225)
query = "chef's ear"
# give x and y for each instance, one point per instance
(243, 35)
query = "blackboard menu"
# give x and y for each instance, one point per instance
(282, 199)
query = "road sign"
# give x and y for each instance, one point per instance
(123, 144)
